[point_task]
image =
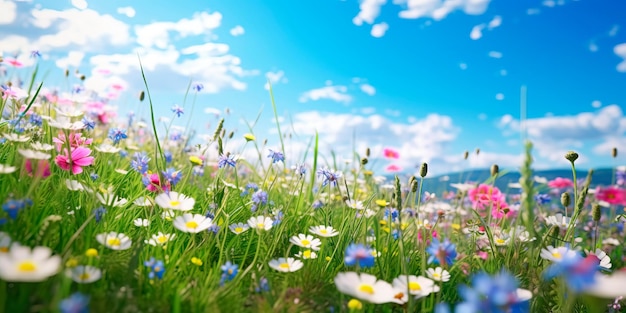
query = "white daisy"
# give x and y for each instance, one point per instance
(286, 265)
(417, 286)
(557, 254)
(368, 288)
(192, 223)
(438, 274)
(84, 274)
(610, 242)
(306, 241)
(605, 260)
(66, 125)
(107, 148)
(143, 201)
(7, 169)
(175, 201)
(558, 220)
(114, 240)
(141, 222)
(355, 204)
(110, 199)
(261, 222)
(238, 228)
(15, 137)
(160, 239)
(34, 154)
(324, 231)
(74, 185)
(306, 254)
(41, 146)
(21, 264)
(168, 215)
(608, 286)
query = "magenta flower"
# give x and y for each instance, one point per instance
(41, 168)
(561, 183)
(612, 195)
(484, 196)
(79, 158)
(76, 140)
(390, 153)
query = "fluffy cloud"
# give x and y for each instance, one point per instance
(157, 34)
(495, 22)
(620, 50)
(275, 78)
(379, 30)
(73, 59)
(128, 11)
(237, 31)
(9, 12)
(368, 11)
(477, 32)
(368, 89)
(79, 4)
(440, 9)
(335, 93)
(495, 54)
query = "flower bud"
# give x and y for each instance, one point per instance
(423, 170)
(614, 152)
(495, 169)
(142, 95)
(367, 152)
(596, 212)
(571, 156)
(565, 199)
(465, 155)
(363, 161)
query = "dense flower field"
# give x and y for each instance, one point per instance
(108, 213)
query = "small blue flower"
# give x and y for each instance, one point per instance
(491, 294)
(300, 169)
(117, 135)
(168, 157)
(276, 156)
(225, 160)
(543, 198)
(442, 253)
(157, 268)
(76, 303)
(89, 123)
(264, 285)
(99, 213)
(35, 119)
(14, 206)
(259, 197)
(94, 176)
(178, 110)
(229, 271)
(139, 162)
(317, 204)
(214, 229)
(197, 87)
(172, 175)
(35, 54)
(329, 177)
(359, 254)
(578, 272)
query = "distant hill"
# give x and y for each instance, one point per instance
(442, 183)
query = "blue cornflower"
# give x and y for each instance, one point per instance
(89, 123)
(259, 197)
(172, 175)
(359, 254)
(278, 218)
(317, 204)
(35, 119)
(229, 271)
(543, 198)
(140, 162)
(300, 169)
(157, 268)
(197, 87)
(264, 285)
(94, 176)
(393, 212)
(176, 136)
(249, 187)
(329, 176)
(14, 206)
(276, 156)
(75, 303)
(178, 110)
(123, 153)
(168, 157)
(35, 54)
(578, 272)
(99, 213)
(492, 294)
(442, 253)
(214, 229)
(117, 134)
(225, 160)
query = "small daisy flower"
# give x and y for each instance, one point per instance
(605, 260)
(610, 242)
(7, 169)
(107, 148)
(114, 240)
(355, 204)
(23, 264)
(438, 274)
(16, 138)
(557, 254)
(558, 220)
(286, 264)
(261, 222)
(5, 242)
(368, 288)
(306, 254)
(306, 241)
(324, 231)
(168, 215)
(141, 222)
(143, 201)
(74, 185)
(192, 223)
(238, 228)
(418, 287)
(160, 239)
(175, 201)
(84, 274)
(34, 154)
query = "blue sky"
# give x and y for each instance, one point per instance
(429, 78)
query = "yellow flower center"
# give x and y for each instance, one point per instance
(500, 241)
(238, 229)
(369, 289)
(27, 266)
(414, 286)
(307, 254)
(436, 275)
(162, 239)
(83, 276)
(355, 304)
(324, 231)
(260, 225)
(305, 242)
(191, 224)
(284, 265)
(174, 203)
(114, 242)
(556, 255)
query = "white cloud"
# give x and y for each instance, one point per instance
(500, 96)
(79, 4)
(533, 11)
(495, 22)
(596, 103)
(368, 89)
(620, 50)
(206, 50)
(379, 30)
(495, 54)
(9, 12)
(275, 78)
(237, 31)
(463, 66)
(440, 9)
(593, 47)
(157, 33)
(477, 32)
(128, 11)
(368, 11)
(614, 30)
(335, 93)
(73, 59)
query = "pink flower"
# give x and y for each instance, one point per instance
(153, 183)
(501, 209)
(76, 161)
(13, 62)
(482, 254)
(391, 153)
(561, 183)
(76, 140)
(484, 196)
(612, 195)
(392, 168)
(42, 168)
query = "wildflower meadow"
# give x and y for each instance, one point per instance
(104, 212)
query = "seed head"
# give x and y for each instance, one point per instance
(495, 169)
(565, 199)
(423, 170)
(465, 155)
(596, 213)
(614, 152)
(142, 95)
(571, 156)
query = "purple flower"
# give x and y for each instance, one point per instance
(117, 134)
(225, 160)
(442, 253)
(140, 162)
(197, 87)
(178, 110)
(76, 303)
(276, 156)
(359, 254)
(329, 177)
(259, 197)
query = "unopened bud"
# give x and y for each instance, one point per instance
(67, 73)
(565, 199)
(466, 155)
(596, 213)
(367, 152)
(423, 170)
(477, 151)
(571, 156)
(142, 95)
(614, 152)
(231, 134)
(495, 169)
(82, 77)
(363, 161)
(414, 186)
